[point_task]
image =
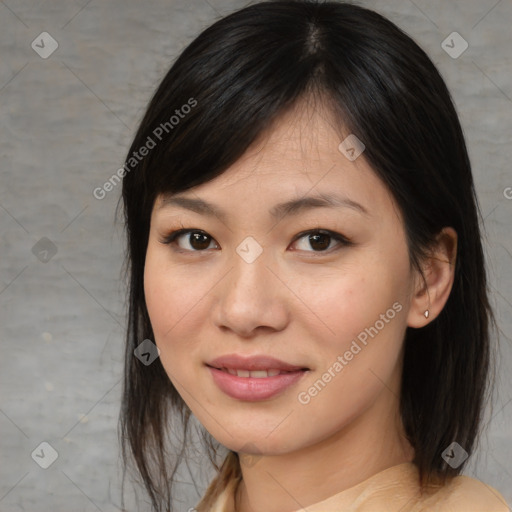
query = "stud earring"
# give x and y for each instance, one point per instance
(426, 313)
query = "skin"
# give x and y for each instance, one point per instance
(296, 303)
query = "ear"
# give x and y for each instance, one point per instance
(439, 271)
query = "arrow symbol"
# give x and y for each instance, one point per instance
(246, 248)
(40, 45)
(450, 454)
(42, 454)
(147, 355)
(351, 151)
(452, 45)
(44, 254)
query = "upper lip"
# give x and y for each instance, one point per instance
(252, 363)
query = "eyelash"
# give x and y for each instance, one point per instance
(344, 241)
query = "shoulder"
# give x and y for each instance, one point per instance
(466, 494)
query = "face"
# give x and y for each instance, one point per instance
(322, 289)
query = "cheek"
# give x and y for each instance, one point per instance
(169, 294)
(355, 373)
(362, 315)
(177, 309)
(159, 297)
(343, 303)
(167, 300)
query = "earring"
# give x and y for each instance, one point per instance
(426, 313)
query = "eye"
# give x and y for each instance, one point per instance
(196, 240)
(320, 240)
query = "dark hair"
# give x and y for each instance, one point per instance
(238, 76)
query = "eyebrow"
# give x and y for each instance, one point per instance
(287, 208)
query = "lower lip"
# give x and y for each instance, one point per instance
(253, 389)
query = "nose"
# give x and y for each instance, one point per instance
(251, 298)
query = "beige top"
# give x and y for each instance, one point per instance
(396, 490)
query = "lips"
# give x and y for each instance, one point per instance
(253, 364)
(254, 378)
(254, 389)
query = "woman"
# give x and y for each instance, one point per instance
(305, 253)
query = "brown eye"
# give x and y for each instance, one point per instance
(199, 241)
(320, 240)
(196, 240)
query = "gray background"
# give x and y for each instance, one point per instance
(66, 123)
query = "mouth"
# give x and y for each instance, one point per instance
(256, 374)
(256, 366)
(254, 378)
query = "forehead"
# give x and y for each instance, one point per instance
(298, 156)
